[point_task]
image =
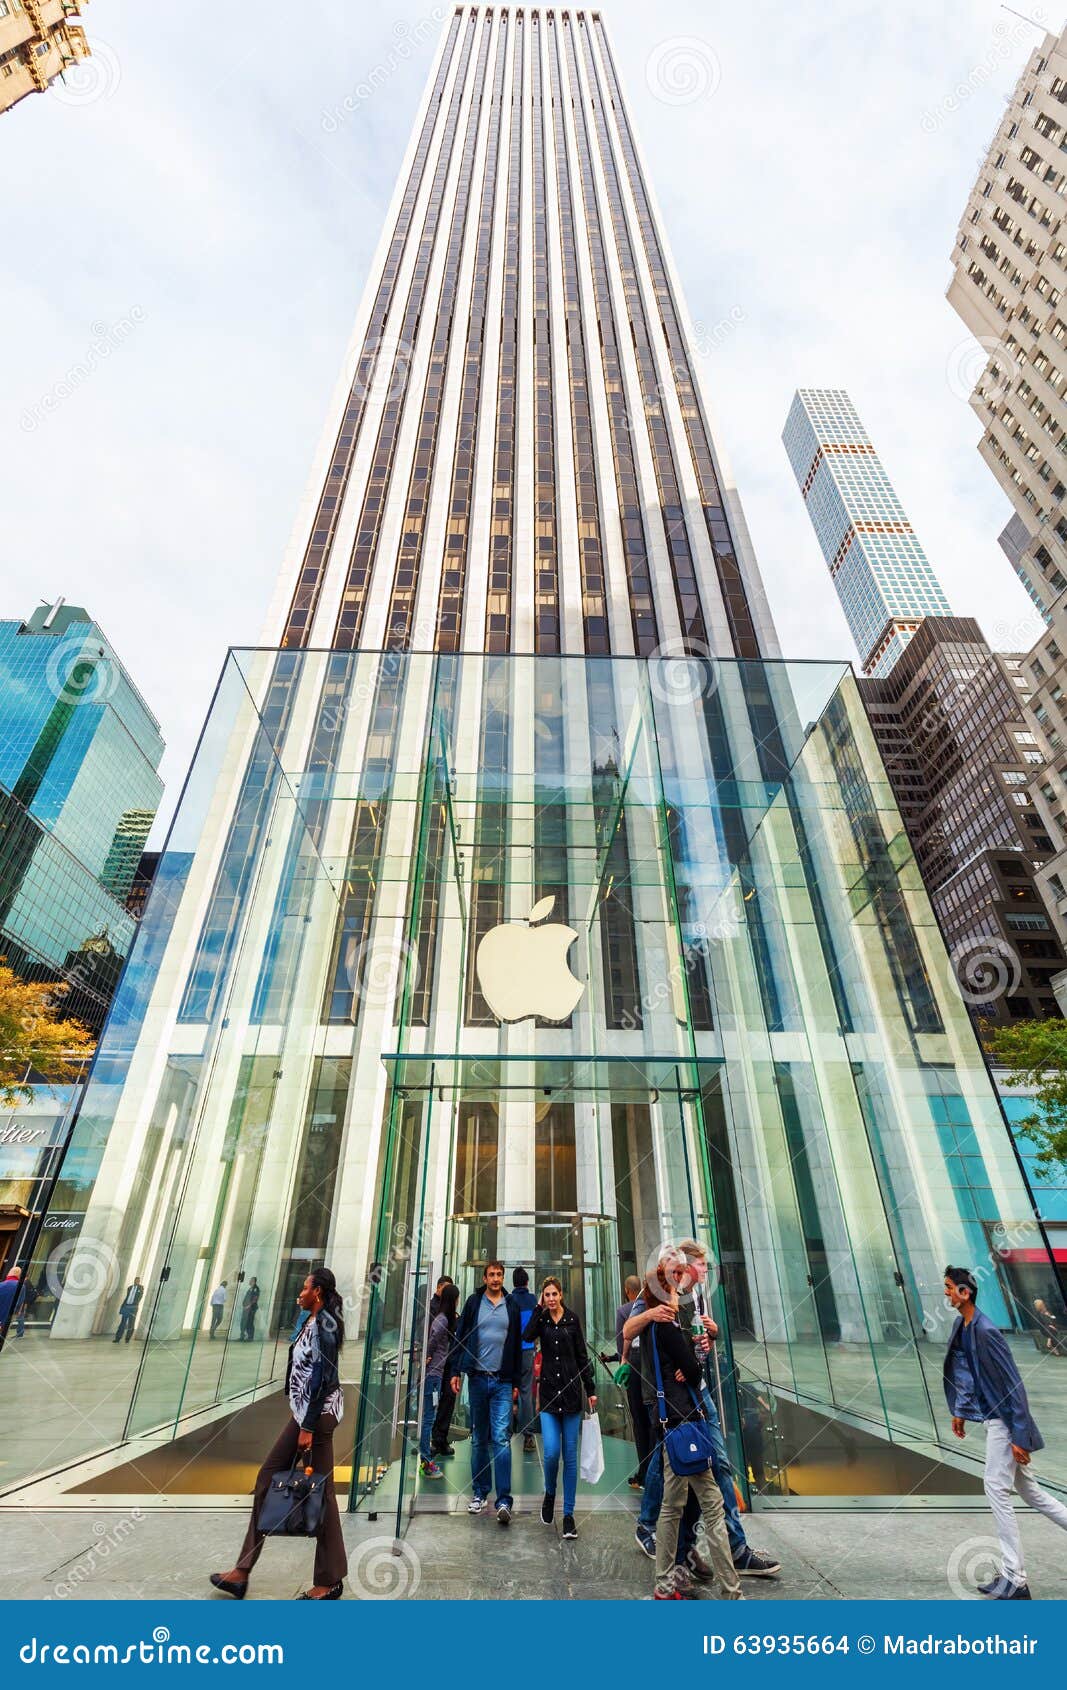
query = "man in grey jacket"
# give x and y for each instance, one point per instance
(983, 1383)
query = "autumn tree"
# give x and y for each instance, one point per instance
(33, 1036)
(1035, 1055)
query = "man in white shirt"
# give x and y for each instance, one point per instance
(218, 1305)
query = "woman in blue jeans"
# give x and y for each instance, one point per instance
(566, 1374)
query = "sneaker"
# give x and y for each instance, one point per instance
(1006, 1590)
(752, 1563)
(503, 1515)
(548, 1509)
(529, 1447)
(683, 1582)
(476, 1504)
(646, 1541)
(635, 1482)
(430, 1470)
(569, 1527)
(667, 1596)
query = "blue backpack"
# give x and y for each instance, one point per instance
(688, 1447)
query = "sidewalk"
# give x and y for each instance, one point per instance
(165, 1554)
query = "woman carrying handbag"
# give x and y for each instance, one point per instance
(317, 1403)
(671, 1387)
(566, 1372)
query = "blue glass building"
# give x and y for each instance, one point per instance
(79, 751)
(883, 577)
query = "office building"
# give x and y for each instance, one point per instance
(950, 721)
(79, 750)
(38, 42)
(880, 572)
(523, 900)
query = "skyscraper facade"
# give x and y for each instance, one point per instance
(880, 571)
(522, 901)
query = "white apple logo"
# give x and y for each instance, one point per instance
(522, 968)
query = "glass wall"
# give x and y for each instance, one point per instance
(454, 956)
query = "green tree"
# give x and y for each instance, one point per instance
(1035, 1055)
(33, 1037)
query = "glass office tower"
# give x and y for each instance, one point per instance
(521, 900)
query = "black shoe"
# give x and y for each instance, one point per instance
(503, 1515)
(332, 1595)
(1006, 1590)
(636, 1482)
(569, 1527)
(548, 1509)
(441, 1452)
(751, 1563)
(229, 1586)
(529, 1447)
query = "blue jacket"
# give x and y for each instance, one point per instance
(526, 1302)
(999, 1375)
(9, 1291)
(463, 1356)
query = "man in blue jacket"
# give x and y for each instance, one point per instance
(526, 1302)
(983, 1383)
(487, 1347)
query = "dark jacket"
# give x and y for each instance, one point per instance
(9, 1290)
(438, 1346)
(324, 1375)
(463, 1356)
(1000, 1378)
(526, 1302)
(676, 1352)
(565, 1365)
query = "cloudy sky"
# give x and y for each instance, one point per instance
(187, 230)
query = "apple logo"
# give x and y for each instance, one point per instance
(522, 968)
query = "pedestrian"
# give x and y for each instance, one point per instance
(440, 1448)
(983, 1383)
(566, 1375)
(488, 1349)
(642, 1432)
(687, 1270)
(438, 1345)
(128, 1310)
(25, 1306)
(1049, 1336)
(218, 1305)
(526, 1302)
(316, 1402)
(9, 1290)
(673, 1371)
(249, 1310)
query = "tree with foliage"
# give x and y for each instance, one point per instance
(33, 1038)
(1035, 1054)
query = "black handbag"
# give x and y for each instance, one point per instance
(293, 1504)
(688, 1447)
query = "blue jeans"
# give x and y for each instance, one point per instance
(559, 1432)
(431, 1395)
(652, 1496)
(490, 1410)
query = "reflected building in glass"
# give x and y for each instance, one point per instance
(522, 900)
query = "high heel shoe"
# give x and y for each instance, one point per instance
(332, 1595)
(229, 1586)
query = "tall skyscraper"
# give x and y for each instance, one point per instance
(881, 573)
(522, 901)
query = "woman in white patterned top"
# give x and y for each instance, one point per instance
(313, 1388)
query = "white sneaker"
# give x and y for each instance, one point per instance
(476, 1504)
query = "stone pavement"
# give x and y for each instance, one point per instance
(166, 1553)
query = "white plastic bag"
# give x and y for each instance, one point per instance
(591, 1455)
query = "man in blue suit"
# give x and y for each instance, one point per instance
(983, 1383)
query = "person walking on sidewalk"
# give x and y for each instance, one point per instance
(566, 1375)
(316, 1401)
(635, 1402)
(438, 1345)
(249, 1311)
(131, 1302)
(674, 1368)
(446, 1401)
(488, 1349)
(983, 1383)
(217, 1303)
(526, 1302)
